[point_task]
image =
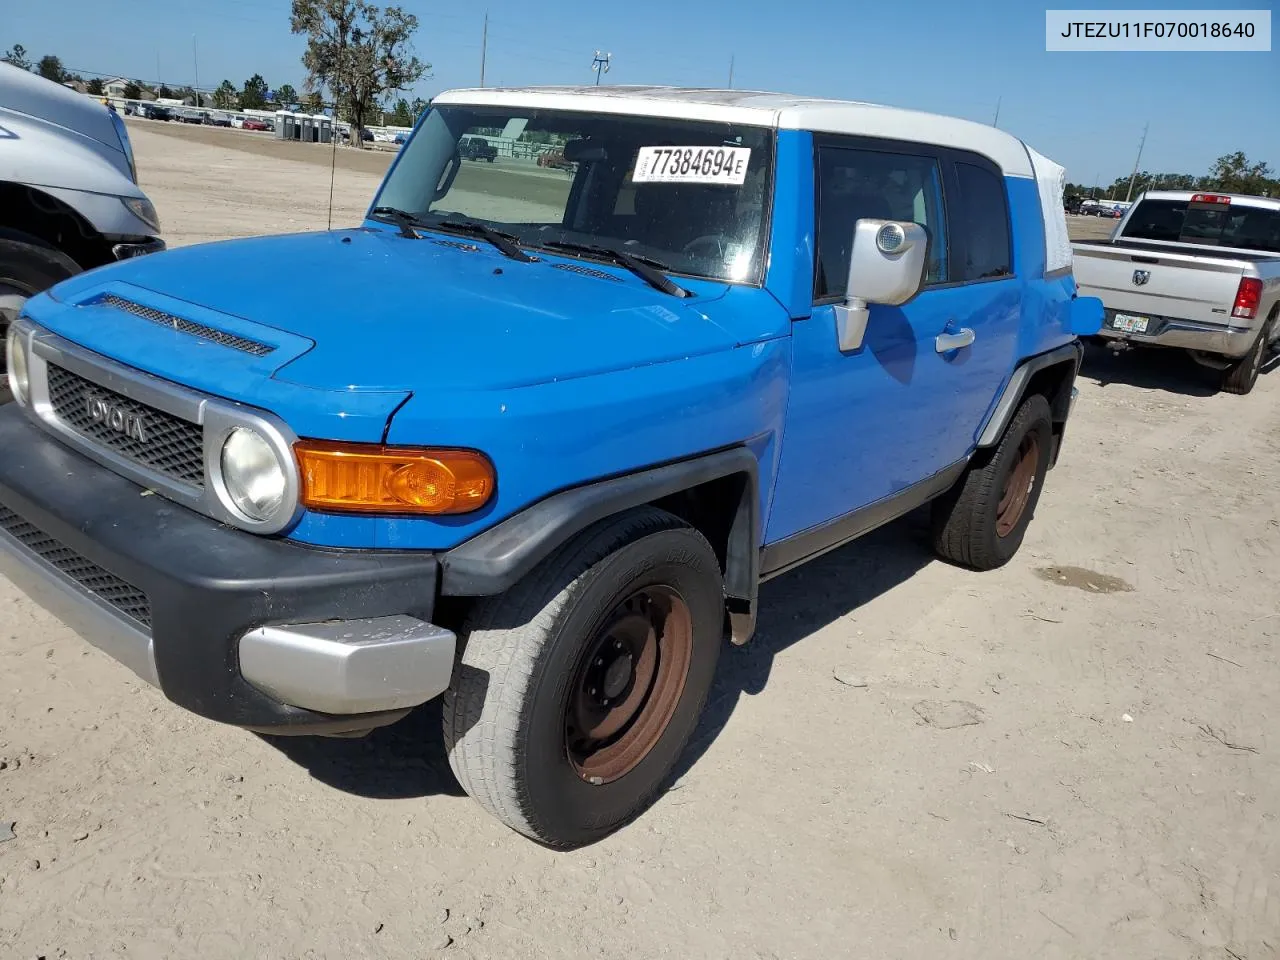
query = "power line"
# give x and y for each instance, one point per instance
(601, 65)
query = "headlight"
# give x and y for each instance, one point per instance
(253, 475)
(16, 351)
(144, 210)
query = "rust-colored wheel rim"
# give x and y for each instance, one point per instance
(1018, 485)
(628, 684)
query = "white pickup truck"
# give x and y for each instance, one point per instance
(1198, 271)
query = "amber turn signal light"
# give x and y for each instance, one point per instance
(370, 478)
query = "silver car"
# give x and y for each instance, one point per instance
(69, 194)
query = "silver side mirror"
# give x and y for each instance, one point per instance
(886, 265)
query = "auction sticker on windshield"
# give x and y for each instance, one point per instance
(724, 165)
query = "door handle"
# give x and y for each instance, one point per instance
(946, 342)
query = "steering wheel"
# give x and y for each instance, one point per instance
(706, 240)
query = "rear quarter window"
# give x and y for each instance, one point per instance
(981, 230)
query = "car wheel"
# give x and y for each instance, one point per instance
(577, 690)
(25, 270)
(981, 521)
(1240, 377)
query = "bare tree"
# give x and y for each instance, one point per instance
(358, 51)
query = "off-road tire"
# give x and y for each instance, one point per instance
(965, 519)
(1240, 377)
(25, 270)
(504, 725)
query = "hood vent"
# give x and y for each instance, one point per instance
(458, 245)
(586, 271)
(220, 337)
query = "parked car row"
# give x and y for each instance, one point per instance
(554, 511)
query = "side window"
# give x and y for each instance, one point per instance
(980, 218)
(853, 184)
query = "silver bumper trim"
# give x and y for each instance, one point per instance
(96, 621)
(1224, 339)
(350, 666)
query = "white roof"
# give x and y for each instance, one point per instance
(1237, 199)
(754, 108)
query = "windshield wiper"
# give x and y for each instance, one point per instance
(646, 268)
(401, 218)
(506, 242)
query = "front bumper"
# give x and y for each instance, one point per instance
(126, 249)
(1224, 339)
(242, 629)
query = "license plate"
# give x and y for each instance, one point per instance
(1129, 323)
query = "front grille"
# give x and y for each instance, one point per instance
(121, 594)
(169, 445)
(586, 271)
(235, 342)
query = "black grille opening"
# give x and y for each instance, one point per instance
(106, 586)
(586, 271)
(165, 443)
(458, 245)
(221, 337)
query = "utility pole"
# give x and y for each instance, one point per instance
(600, 64)
(1093, 195)
(730, 71)
(1129, 194)
(158, 83)
(195, 60)
(996, 121)
(484, 46)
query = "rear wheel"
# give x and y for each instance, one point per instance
(578, 689)
(981, 521)
(1240, 377)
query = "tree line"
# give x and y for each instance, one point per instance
(358, 56)
(1230, 173)
(253, 95)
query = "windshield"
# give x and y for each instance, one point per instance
(1209, 223)
(692, 195)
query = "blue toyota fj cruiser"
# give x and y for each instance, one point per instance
(543, 471)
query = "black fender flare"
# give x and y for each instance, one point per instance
(493, 561)
(1016, 388)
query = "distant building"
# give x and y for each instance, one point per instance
(114, 89)
(79, 86)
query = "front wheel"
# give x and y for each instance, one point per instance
(25, 270)
(981, 521)
(578, 689)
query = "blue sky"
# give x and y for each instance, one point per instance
(1085, 110)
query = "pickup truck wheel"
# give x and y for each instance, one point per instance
(1243, 374)
(577, 691)
(981, 521)
(25, 270)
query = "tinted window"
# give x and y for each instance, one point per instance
(853, 184)
(1214, 224)
(981, 218)
(577, 177)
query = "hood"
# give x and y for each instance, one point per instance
(33, 95)
(367, 309)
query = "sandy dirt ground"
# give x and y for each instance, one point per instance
(1073, 757)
